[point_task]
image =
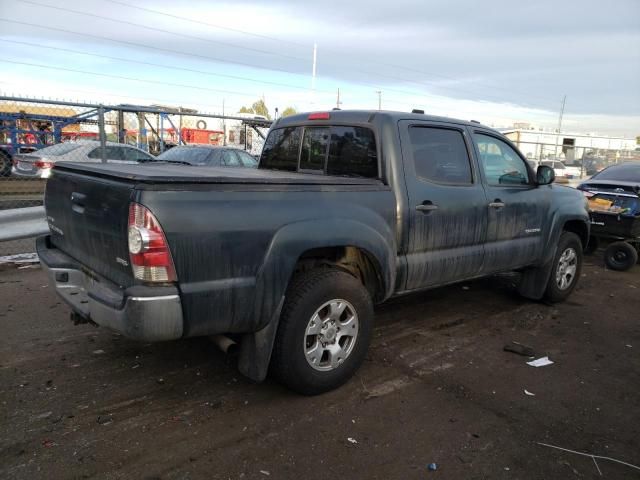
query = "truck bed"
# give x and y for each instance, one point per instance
(174, 173)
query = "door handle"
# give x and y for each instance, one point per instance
(426, 207)
(77, 202)
(497, 203)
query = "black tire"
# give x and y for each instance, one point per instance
(592, 245)
(5, 164)
(569, 242)
(620, 256)
(307, 293)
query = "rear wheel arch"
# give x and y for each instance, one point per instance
(357, 261)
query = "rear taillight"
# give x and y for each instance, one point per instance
(41, 164)
(148, 248)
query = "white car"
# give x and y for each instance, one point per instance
(38, 164)
(561, 170)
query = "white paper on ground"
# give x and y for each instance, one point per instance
(540, 362)
(527, 392)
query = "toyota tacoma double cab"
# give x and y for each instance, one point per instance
(346, 210)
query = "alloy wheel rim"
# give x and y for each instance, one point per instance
(567, 267)
(331, 335)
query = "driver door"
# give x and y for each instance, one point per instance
(517, 206)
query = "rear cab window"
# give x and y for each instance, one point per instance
(348, 151)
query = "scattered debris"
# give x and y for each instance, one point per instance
(520, 349)
(104, 419)
(432, 467)
(628, 346)
(160, 381)
(593, 457)
(540, 362)
(527, 392)
(265, 472)
(98, 352)
(465, 287)
(46, 443)
(352, 440)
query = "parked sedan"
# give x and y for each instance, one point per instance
(38, 164)
(620, 177)
(561, 170)
(206, 155)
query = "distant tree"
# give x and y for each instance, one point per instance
(258, 108)
(638, 140)
(289, 111)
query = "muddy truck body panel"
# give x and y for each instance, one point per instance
(402, 202)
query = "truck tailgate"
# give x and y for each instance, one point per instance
(88, 219)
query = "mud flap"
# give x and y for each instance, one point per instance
(256, 348)
(534, 281)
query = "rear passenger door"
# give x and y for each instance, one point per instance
(447, 204)
(517, 206)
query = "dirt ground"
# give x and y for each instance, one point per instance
(437, 387)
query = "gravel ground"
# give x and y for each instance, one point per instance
(437, 387)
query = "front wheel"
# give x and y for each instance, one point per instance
(620, 256)
(567, 265)
(324, 331)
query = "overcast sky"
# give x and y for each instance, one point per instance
(495, 61)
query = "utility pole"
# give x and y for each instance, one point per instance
(224, 126)
(338, 102)
(564, 99)
(379, 92)
(313, 70)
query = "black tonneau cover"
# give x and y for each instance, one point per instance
(172, 173)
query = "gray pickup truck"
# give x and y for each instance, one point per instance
(347, 209)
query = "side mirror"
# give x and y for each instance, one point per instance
(545, 175)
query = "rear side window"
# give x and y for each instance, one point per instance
(281, 149)
(336, 150)
(440, 155)
(353, 152)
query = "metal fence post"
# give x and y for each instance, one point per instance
(103, 134)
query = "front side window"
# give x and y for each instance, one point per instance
(246, 159)
(440, 155)
(135, 155)
(314, 148)
(281, 149)
(501, 164)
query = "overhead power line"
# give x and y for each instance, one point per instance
(133, 79)
(159, 65)
(309, 46)
(207, 24)
(161, 30)
(149, 47)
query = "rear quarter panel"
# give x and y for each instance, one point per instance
(235, 247)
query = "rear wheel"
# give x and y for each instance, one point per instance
(567, 265)
(620, 256)
(324, 331)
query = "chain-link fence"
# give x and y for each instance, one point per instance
(36, 134)
(589, 154)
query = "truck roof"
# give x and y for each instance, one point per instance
(365, 116)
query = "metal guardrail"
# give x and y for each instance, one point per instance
(20, 223)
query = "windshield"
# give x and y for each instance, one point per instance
(191, 155)
(622, 173)
(59, 149)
